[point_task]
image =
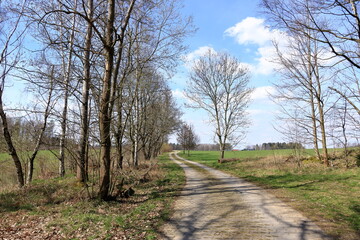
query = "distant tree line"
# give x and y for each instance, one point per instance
(203, 147)
(275, 145)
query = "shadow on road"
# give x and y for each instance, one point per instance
(216, 205)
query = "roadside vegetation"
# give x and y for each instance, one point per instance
(59, 208)
(329, 196)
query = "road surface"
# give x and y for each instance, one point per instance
(216, 205)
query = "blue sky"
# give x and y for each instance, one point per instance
(235, 26)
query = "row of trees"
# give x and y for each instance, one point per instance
(98, 70)
(276, 145)
(319, 90)
(202, 147)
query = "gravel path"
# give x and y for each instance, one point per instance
(216, 205)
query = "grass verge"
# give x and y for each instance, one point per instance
(57, 208)
(329, 196)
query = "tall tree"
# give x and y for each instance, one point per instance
(84, 134)
(218, 84)
(67, 64)
(11, 36)
(303, 65)
(105, 114)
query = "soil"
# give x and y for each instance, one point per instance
(216, 205)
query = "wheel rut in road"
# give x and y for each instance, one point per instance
(216, 205)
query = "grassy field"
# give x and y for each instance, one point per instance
(58, 208)
(329, 196)
(45, 166)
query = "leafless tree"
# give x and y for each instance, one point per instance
(11, 36)
(302, 65)
(84, 135)
(218, 84)
(187, 138)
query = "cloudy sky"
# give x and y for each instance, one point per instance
(238, 27)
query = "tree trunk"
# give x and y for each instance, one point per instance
(314, 128)
(222, 149)
(42, 130)
(312, 102)
(323, 139)
(66, 98)
(82, 166)
(320, 105)
(11, 148)
(105, 115)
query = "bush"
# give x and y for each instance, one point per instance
(357, 157)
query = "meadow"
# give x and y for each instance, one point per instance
(328, 195)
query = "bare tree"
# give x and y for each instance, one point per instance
(187, 138)
(218, 84)
(11, 35)
(67, 64)
(84, 135)
(49, 103)
(302, 65)
(334, 24)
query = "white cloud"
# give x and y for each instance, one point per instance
(254, 31)
(201, 51)
(250, 67)
(265, 61)
(250, 31)
(262, 93)
(179, 94)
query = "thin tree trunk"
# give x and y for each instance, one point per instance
(312, 101)
(118, 141)
(321, 117)
(314, 128)
(66, 98)
(323, 137)
(9, 142)
(5, 53)
(82, 166)
(119, 88)
(42, 131)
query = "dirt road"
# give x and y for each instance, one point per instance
(216, 205)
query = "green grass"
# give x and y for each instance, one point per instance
(45, 165)
(62, 202)
(330, 195)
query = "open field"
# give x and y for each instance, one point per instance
(330, 196)
(45, 166)
(59, 208)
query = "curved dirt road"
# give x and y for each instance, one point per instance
(216, 205)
